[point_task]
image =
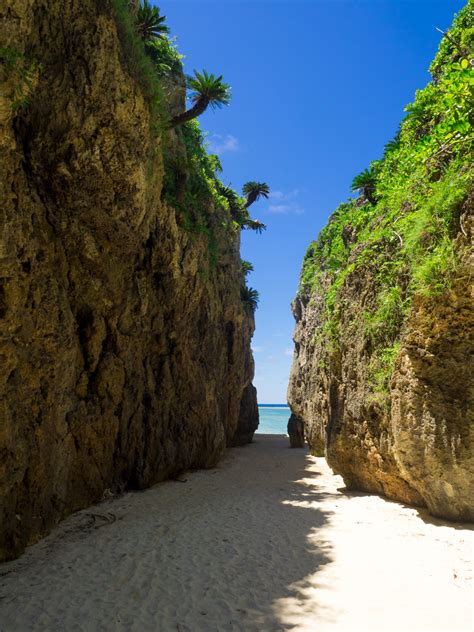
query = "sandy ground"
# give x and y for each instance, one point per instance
(268, 541)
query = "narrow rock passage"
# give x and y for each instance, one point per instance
(267, 541)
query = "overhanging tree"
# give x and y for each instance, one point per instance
(206, 90)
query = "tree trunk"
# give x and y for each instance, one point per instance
(194, 112)
(251, 199)
(369, 194)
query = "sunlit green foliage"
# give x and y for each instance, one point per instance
(164, 55)
(207, 90)
(192, 184)
(366, 183)
(247, 267)
(205, 86)
(404, 240)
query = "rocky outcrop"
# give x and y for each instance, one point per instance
(248, 417)
(124, 344)
(384, 315)
(296, 431)
(432, 403)
(416, 446)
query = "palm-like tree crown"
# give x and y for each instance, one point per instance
(250, 298)
(206, 90)
(255, 190)
(255, 224)
(366, 183)
(149, 22)
(247, 267)
(364, 180)
(206, 87)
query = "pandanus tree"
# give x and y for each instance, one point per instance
(254, 191)
(150, 24)
(365, 183)
(206, 90)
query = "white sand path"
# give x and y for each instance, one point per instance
(267, 541)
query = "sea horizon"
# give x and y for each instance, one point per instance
(273, 418)
(274, 405)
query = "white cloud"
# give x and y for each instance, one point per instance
(277, 195)
(280, 195)
(284, 209)
(289, 352)
(257, 349)
(279, 208)
(219, 144)
(285, 203)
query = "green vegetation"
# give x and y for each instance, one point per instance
(238, 205)
(255, 224)
(247, 267)
(150, 24)
(23, 71)
(192, 184)
(402, 243)
(250, 298)
(254, 191)
(141, 66)
(207, 90)
(366, 183)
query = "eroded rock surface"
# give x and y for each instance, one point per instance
(416, 444)
(248, 417)
(382, 373)
(419, 449)
(124, 353)
(296, 431)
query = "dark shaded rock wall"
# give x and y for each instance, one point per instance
(123, 357)
(248, 417)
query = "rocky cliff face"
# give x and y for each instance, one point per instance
(125, 347)
(414, 443)
(384, 320)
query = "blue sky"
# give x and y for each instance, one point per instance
(318, 88)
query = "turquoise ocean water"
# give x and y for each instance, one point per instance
(273, 418)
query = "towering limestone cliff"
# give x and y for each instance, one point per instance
(382, 371)
(125, 342)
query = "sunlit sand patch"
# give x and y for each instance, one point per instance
(267, 542)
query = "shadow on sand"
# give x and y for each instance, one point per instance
(245, 547)
(227, 551)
